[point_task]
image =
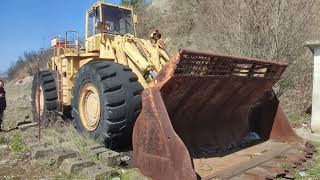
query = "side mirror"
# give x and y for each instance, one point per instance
(135, 19)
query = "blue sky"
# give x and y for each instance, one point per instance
(27, 25)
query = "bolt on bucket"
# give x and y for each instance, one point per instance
(203, 106)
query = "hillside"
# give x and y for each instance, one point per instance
(245, 28)
(233, 27)
(197, 130)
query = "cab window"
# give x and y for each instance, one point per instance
(117, 20)
(93, 19)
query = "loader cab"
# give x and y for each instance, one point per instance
(118, 20)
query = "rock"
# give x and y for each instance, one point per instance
(41, 152)
(75, 165)
(98, 151)
(95, 146)
(112, 158)
(27, 126)
(38, 144)
(302, 174)
(4, 162)
(126, 161)
(62, 155)
(98, 172)
(125, 158)
(24, 107)
(116, 178)
(4, 148)
(306, 134)
(22, 122)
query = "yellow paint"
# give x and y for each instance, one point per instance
(89, 107)
(141, 55)
(39, 100)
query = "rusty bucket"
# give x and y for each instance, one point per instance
(208, 116)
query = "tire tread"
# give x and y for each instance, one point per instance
(121, 94)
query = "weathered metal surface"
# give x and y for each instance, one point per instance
(208, 99)
(203, 106)
(158, 152)
(265, 173)
(239, 167)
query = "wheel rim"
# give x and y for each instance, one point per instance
(39, 100)
(89, 107)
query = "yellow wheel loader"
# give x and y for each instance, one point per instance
(188, 116)
(99, 83)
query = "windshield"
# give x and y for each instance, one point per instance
(118, 21)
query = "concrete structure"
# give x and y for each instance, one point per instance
(315, 120)
(75, 165)
(112, 158)
(61, 156)
(41, 152)
(27, 126)
(98, 172)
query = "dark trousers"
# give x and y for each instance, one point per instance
(1, 117)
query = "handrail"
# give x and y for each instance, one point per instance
(77, 41)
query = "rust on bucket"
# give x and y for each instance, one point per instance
(206, 106)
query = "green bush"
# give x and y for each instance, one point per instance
(17, 145)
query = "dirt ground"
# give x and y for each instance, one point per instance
(16, 161)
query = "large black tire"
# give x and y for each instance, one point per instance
(120, 102)
(47, 80)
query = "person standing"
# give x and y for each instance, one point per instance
(3, 103)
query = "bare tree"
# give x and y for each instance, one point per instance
(272, 30)
(28, 63)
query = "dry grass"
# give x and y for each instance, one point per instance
(68, 138)
(18, 104)
(60, 137)
(273, 30)
(16, 144)
(131, 174)
(313, 169)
